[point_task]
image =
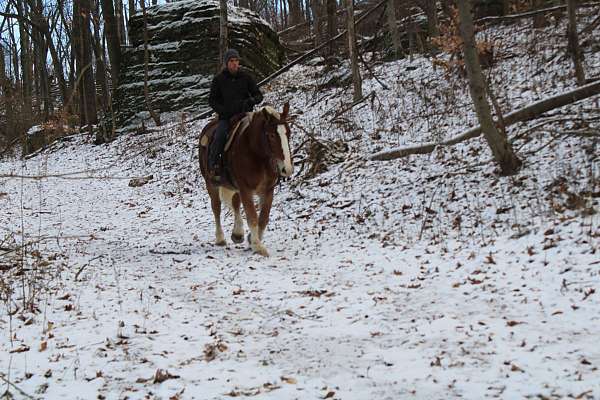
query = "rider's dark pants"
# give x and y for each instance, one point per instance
(218, 144)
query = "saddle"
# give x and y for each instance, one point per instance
(237, 125)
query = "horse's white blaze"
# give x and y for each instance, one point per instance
(288, 167)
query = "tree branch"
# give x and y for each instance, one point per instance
(512, 17)
(524, 114)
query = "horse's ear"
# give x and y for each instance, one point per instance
(265, 114)
(286, 109)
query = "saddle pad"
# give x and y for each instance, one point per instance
(239, 126)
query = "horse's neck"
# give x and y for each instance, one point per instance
(252, 140)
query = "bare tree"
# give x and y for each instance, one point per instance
(573, 42)
(26, 59)
(331, 25)
(153, 113)
(120, 17)
(111, 31)
(393, 28)
(353, 50)
(315, 7)
(430, 9)
(82, 40)
(100, 58)
(295, 12)
(501, 148)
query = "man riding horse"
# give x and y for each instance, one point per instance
(233, 91)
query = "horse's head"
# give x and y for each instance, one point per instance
(277, 133)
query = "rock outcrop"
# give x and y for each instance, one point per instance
(183, 44)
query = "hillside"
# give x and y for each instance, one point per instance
(424, 277)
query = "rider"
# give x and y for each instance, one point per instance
(233, 91)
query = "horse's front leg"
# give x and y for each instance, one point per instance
(215, 202)
(266, 200)
(252, 219)
(238, 224)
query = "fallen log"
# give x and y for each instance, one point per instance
(514, 17)
(524, 114)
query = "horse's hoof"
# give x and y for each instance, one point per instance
(261, 250)
(222, 242)
(237, 238)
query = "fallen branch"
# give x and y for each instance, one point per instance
(524, 114)
(512, 17)
(590, 27)
(583, 133)
(18, 389)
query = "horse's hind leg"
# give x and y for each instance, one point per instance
(252, 219)
(215, 202)
(238, 224)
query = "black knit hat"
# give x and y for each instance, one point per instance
(229, 54)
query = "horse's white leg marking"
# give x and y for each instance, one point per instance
(219, 236)
(238, 223)
(288, 167)
(226, 196)
(256, 242)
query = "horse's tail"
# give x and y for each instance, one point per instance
(226, 196)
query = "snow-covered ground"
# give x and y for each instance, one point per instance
(428, 277)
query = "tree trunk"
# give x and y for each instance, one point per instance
(14, 57)
(223, 33)
(393, 28)
(89, 81)
(57, 62)
(26, 62)
(501, 149)
(41, 55)
(244, 3)
(295, 12)
(153, 113)
(331, 25)
(120, 17)
(84, 78)
(7, 94)
(111, 30)
(316, 13)
(430, 8)
(131, 9)
(539, 20)
(101, 77)
(573, 42)
(353, 51)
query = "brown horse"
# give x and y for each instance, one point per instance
(255, 159)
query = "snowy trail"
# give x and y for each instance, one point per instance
(329, 314)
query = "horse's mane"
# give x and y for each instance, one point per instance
(269, 110)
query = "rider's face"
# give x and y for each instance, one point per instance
(233, 65)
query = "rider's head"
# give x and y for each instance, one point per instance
(231, 59)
